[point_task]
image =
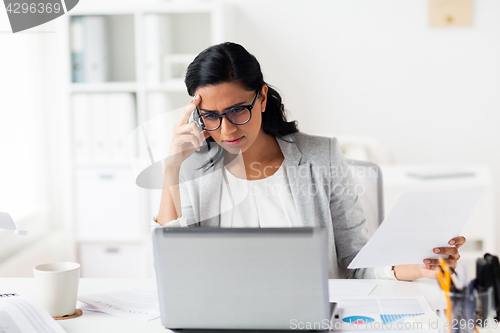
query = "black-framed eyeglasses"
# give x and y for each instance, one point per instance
(237, 115)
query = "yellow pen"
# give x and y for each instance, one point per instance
(446, 270)
(440, 278)
(446, 281)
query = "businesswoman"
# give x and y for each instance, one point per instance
(250, 167)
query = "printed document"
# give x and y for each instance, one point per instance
(140, 303)
(419, 222)
(339, 288)
(23, 315)
(379, 312)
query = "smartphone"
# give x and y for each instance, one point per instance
(197, 119)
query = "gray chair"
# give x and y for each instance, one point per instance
(368, 184)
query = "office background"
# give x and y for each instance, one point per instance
(351, 68)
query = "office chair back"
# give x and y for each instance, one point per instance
(368, 184)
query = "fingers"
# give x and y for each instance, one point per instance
(196, 132)
(451, 251)
(433, 263)
(428, 273)
(188, 138)
(190, 128)
(189, 133)
(201, 136)
(453, 257)
(457, 241)
(188, 109)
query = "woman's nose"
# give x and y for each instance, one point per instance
(227, 127)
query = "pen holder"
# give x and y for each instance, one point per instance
(468, 312)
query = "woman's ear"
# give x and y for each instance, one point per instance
(263, 94)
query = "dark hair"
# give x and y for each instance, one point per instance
(231, 62)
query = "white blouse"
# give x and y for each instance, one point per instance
(264, 203)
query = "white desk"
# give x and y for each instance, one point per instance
(99, 322)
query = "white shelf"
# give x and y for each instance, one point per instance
(177, 86)
(120, 8)
(173, 86)
(112, 240)
(124, 165)
(186, 7)
(102, 190)
(104, 87)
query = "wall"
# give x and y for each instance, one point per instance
(24, 178)
(22, 120)
(375, 68)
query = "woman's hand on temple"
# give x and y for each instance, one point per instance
(186, 137)
(428, 269)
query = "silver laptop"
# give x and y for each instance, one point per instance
(245, 278)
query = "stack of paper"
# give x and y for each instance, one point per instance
(140, 304)
(23, 315)
(341, 288)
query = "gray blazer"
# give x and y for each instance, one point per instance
(321, 188)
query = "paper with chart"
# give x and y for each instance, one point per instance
(140, 303)
(378, 312)
(419, 222)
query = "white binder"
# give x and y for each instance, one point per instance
(157, 44)
(96, 53)
(99, 128)
(77, 49)
(81, 127)
(160, 123)
(122, 120)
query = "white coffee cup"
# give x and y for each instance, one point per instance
(57, 286)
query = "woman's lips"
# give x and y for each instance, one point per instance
(232, 143)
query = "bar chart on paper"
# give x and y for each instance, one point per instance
(388, 318)
(381, 310)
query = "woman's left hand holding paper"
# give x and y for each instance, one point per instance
(428, 269)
